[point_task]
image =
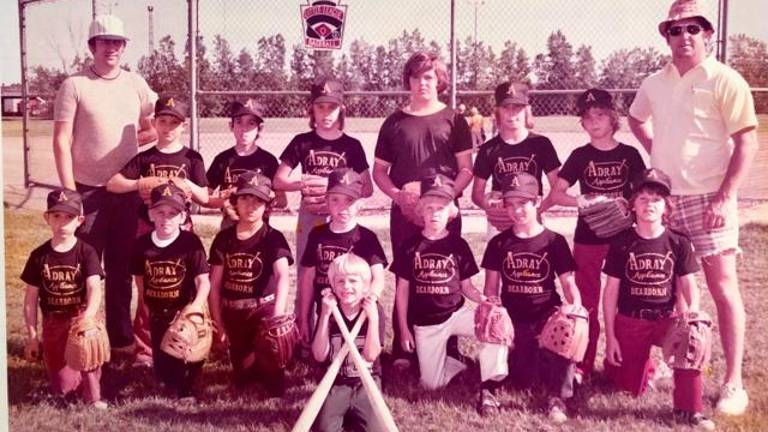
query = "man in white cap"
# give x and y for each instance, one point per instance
(101, 115)
(696, 117)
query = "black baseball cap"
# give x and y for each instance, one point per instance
(438, 185)
(256, 184)
(656, 177)
(594, 97)
(250, 106)
(327, 89)
(66, 201)
(168, 194)
(345, 181)
(521, 185)
(167, 105)
(511, 93)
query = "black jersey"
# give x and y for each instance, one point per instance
(528, 268)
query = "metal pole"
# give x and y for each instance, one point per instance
(24, 91)
(723, 54)
(194, 142)
(453, 55)
(93, 9)
(474, 48)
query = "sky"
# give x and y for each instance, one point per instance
(57, 29)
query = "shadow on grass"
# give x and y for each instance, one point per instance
(233, 414)
(25, 380)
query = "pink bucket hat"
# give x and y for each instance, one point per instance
(682, 9)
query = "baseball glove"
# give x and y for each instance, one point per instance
(495, 211)
(87, 345)
(313, 188)
(189, 337)
(183, 185)
(566, 332)
(409, 205)
(33, 350)
(688, 344)
(275, 340)
(493, 325)
(146, 184)
(605, 216)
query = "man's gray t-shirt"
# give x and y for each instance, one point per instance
(105, 120)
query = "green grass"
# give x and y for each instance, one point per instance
(136, 406)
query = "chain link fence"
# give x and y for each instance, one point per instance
(253, 48)
(51, 54)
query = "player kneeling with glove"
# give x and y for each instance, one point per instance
(249, 310)
(350, 280)
(433, 272)
(651, 268)
(521, 265)
(171, 274)
(74, 344)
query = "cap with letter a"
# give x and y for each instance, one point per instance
(168, 194)
(327, 89)
(521, 185)
(66, 201)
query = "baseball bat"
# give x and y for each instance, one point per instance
(315, 402)
(374, 394)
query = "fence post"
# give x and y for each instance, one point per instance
(453, 55)
(24, 90)
(192, 37)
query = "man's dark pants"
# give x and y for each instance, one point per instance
(110, 227)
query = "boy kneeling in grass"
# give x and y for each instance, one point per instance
(64, 276)
(650, 269)
(521, 266)
(171, 273)
(433, 278)
(249, 284)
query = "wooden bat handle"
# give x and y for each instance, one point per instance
(374, 394)
(315, 402)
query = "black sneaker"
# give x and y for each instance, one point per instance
(696, 420)
(487, 404)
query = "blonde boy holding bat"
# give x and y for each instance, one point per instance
(348, 402)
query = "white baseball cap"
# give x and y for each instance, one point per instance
(107, 27)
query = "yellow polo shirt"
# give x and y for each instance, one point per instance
(693, 118)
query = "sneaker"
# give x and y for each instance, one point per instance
(142, 362)
(487, 404)
(556, 411)
(733, 400)
(696, 420)
(401, 363)
(99, 405)
(187, 400)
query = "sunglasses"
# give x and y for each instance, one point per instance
(691, 29)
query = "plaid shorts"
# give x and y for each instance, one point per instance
(687, 217)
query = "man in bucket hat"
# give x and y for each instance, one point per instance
(101, 115)
(704, 136)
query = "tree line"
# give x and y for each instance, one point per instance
(271, 65)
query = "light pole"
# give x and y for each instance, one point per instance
(476, 4)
